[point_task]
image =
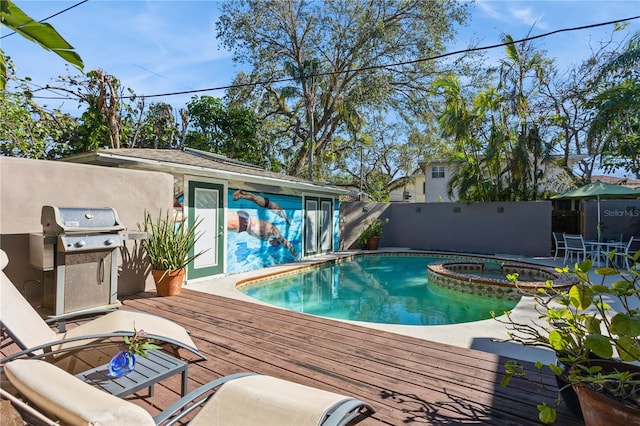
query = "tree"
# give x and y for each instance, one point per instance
(616, 123)
(498, 145)
(41, 33)
(566, 98)
(306, 76)
(462, 124)
(28, 130)
(225, 130)
(348, 45)
(159, 129)
(108, 118)
(521, 73)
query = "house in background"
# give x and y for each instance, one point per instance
(438, 172)
(408, 189)
(436, 175)
(252, 218)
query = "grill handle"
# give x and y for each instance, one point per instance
(101, 271)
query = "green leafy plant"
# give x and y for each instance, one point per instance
(43, 34)
(169, 243)
(579, 324)
(620, 385)
(139, 343)
(372, 228)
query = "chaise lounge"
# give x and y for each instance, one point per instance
(35, 336)
(243, 399)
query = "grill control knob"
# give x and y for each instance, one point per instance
(110, 241)
(81, 243)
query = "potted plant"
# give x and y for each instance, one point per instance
(594, 329)
(168, 246)
(372, 232)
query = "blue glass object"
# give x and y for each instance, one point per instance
(122, 363)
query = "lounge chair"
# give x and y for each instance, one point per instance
(35, 336)
(243, 399)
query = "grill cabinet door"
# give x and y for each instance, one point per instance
(87, 280)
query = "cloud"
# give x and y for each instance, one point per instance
(505, 11)
(528, 17)
(487, 8)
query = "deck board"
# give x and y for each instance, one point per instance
(408, 380)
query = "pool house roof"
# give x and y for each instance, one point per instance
(200, 163)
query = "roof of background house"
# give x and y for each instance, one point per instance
(196, 162)
(624, 181)
(571, 159)
(401, 182)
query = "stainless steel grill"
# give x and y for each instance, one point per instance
(78, 254)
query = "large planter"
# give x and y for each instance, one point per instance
(372, 243)
(168, 283)
(569, 395)
(598, 409)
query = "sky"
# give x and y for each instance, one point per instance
(165, 46)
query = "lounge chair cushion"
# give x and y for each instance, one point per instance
(20, 318)
(71, 400)
(263, 400)
(123, 320)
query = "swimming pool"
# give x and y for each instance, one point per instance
(390, 289)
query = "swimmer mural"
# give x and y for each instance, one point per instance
(261, 201)
(262, 230)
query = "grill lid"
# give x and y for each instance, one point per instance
(58, 220)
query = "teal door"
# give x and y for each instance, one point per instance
(206, 202)
(326, 225)
(318, 225)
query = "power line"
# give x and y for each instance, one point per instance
(431, 58)
(52, 16)
(373, 67)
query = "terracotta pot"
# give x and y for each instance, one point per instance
(372, 243)
(600, 410)
(170, 284)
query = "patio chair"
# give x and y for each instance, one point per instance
(558, 242)
(244, 399)
(575, 246)
(35, 336)
(612, 238)
(627, 255)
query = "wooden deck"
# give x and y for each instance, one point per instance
(408, 380)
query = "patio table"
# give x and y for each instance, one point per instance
(602, 248)
(148, 371)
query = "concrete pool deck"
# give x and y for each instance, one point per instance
(480, 335)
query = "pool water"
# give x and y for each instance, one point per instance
(378, 289)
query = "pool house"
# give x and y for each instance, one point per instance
(253, 218)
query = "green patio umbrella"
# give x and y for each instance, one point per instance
(597, 190)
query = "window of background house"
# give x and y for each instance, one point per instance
(437, 172)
